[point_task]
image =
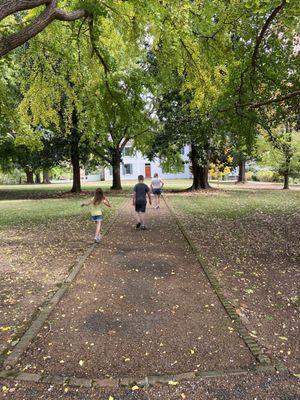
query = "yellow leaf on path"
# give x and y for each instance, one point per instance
(183, 396)
(4, 389)
(297, 375)
(173, 383)
(192, 351)
(283, 338)
(5, 328)
(81, 362)
(135, 387)
(110, 398)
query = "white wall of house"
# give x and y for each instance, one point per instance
(137, 164)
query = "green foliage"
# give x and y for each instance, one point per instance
(266, 176)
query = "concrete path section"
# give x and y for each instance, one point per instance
(140, 306)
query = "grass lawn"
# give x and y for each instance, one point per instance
(127, 185)
(26, 212)
(236, 203)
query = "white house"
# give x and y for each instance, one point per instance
(136, 164)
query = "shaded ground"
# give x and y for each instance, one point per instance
(254, 250)
(140, 306)
(34, 261)
(250, 387)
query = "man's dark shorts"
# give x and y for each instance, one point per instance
(140, 207)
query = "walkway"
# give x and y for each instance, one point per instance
(140, 306)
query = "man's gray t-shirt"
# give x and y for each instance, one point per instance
(141, 190)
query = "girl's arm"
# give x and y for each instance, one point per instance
(162, 183)
(86, 204)
(106, 202)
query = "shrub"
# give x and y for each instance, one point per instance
(249, 176)
(265, 176)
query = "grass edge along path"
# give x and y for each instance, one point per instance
(255, 349)
(11, 356)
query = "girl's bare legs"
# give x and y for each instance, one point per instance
(158, 200)
(155, 200)
(98, 228)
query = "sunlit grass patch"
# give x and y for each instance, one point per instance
(239, 203)
(26, 212)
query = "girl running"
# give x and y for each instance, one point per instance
(96, 211)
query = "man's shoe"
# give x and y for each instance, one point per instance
(138, 225)
(143, 228)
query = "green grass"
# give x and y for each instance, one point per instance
(127, 185)
(28, 212)
(238, 203)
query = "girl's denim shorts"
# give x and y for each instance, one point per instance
(96, 218)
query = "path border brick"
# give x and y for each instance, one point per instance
(254, 347)
(130, 381)
(11, 359)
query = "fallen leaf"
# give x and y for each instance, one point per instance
(172, 383)
(135, 387)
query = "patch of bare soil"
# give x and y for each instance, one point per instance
(257, 260)
(249, 387)
(140, 306)
(34, 261)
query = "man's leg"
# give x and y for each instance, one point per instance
(142, 218)
(138, 216)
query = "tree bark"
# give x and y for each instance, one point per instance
(29, 177)
(200, 173)
(37, 177)
(116, 167)
(46, 177)
(75, 154)
(286, 181)
(242, 172)
(50, 14)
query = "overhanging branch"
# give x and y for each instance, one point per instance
(50, 14)
(263, 31)
(262, 103)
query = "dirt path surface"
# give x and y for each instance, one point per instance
(259, 267)
(33, 262)
(141, 305)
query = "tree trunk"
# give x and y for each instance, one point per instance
(242, 172)
(46, 177)
(200, 173)
(29, 177)
(116, 167)
(37, 177)
(286, 181)
(75, 155)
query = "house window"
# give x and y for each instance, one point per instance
(127, 169)
(127, 151)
